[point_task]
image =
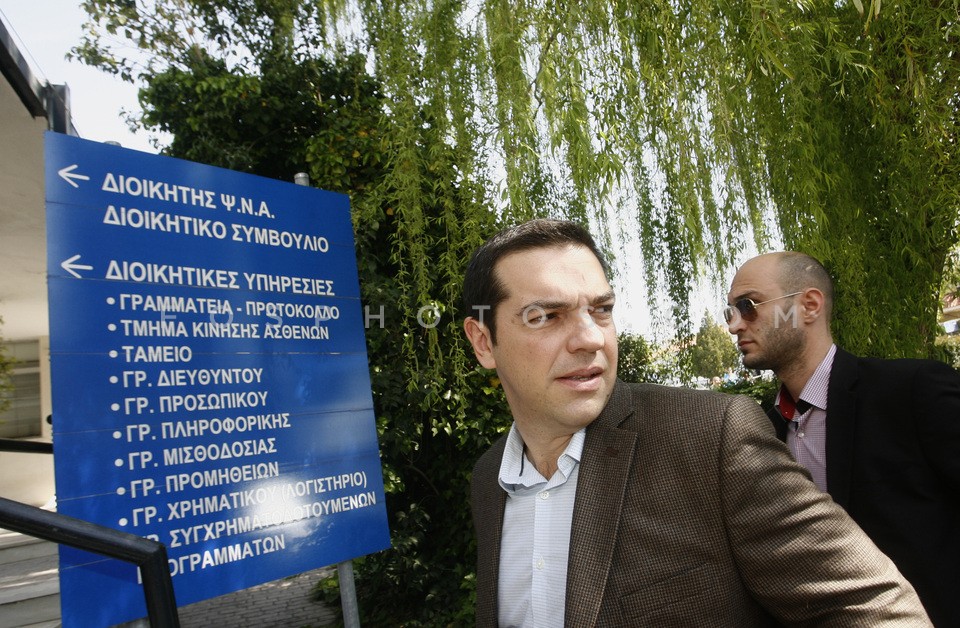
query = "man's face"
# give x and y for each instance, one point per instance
(556, 350)
(774, 339)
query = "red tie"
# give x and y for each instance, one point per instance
(788, 407)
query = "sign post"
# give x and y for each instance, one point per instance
(348, 592)
(209, 371)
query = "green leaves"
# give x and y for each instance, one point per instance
(713, 353)
(6, 371)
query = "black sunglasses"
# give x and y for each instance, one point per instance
(748, 308)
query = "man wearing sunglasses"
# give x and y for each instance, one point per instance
(882, 437)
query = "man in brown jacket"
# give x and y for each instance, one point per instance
(613, 504)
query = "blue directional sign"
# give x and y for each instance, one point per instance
(209, 374)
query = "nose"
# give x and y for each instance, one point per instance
(736, 324)
(586, 334)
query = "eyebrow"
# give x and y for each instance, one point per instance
(546, 304)
(604, 298)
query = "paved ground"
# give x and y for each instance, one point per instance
(283, 603)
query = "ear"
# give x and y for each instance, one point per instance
(479, 336)
(813, 303)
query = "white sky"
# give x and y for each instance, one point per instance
(45, 30)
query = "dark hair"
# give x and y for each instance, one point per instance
(799, 271)
(483, 290)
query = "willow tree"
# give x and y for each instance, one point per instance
(829, 127)
(705, 128)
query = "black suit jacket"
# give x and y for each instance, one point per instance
(893, 462)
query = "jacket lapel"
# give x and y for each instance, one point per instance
(489, 502)
(841, 425)
(604, 471)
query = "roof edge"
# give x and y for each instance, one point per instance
(17, 72)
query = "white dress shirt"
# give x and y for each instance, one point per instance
(535, 543)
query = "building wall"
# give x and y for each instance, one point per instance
(22, 221)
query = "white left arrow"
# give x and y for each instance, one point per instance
(68, 175)
(69, 266)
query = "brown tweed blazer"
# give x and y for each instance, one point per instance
(690, 512)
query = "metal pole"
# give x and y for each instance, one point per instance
(348, 595)
(348, 592)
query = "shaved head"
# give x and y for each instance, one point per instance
(799, 271)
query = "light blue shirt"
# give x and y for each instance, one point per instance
(535, 543)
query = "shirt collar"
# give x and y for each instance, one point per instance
(815, 390)
(516, 470)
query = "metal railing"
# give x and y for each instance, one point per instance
(25, 446)
(150, 556)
